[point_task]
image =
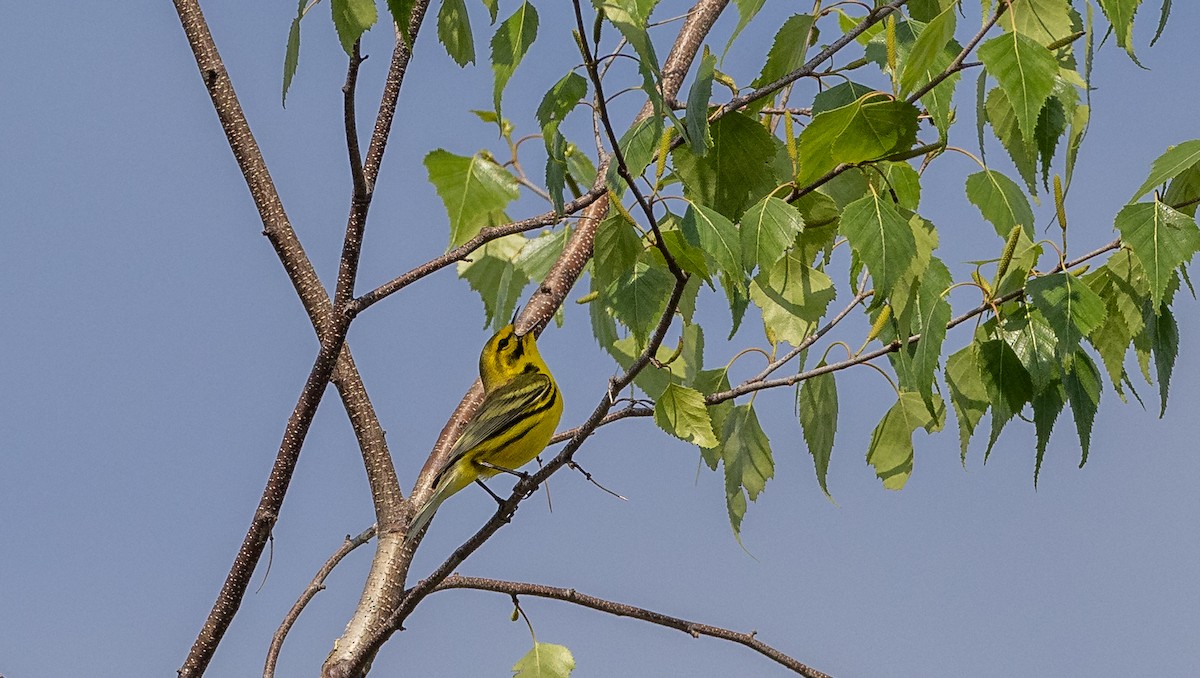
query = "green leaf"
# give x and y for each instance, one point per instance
(767, 229)
(747, 9)
(615, 251)
(472, 189)
(891, 448)
(545, 660)
(1047, 405)
(1120, 15)
(638, 145)
(735, 173)
(787, 51)
(842, 94)
(690, 258)
(1164, 344)
(716, 235)
(352, 18)
(929, 45)
(1007, 383)
(291, 56)
(556, 166)
(1082, 383)
(697, 104)
(492, 273)
(561, 99)
(1162, 239)
(1123, 287)
(1003, 118)
(654, 379)
(1072, 308)
(1164, 14)
(1043, 21)
(1052, 123)
(539, 254)
(746, 453)
(630, 17)
(968, 394)
(1001, 201)
(709, 382)
(901, 179)
(1184, 190)
(737, 292)
(681, 412)
(1033, 340)
(454, 31)
(930, 314)
(493, 8)
(509, 45)
(1025, 71)
(1075, 135)
(640, 297)
(1024, 259)
(881, 237)
(793, 297)
(401, 11)
(817, 403)
(870, 128)
(1175, 161)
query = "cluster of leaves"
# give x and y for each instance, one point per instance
(757, 208)
(754, 195)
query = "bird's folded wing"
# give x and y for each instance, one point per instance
(526, 395)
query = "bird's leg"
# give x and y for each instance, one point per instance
(489, 491)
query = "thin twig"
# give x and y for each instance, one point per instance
(958, 65)
(464, 250)
(622, 167)
(814, 337)
(750, 387)
(314, 587)
(694, 629)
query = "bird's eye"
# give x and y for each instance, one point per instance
(503, 344)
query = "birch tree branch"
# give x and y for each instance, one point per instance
(694, 629)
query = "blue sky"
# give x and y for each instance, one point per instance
(153, 349)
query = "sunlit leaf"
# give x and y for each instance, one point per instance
(1001, 201)
(1175, 161)
(968, 395)
(891, 448)
(472, 189)
(767, 229)
(1025, 71)
(735, 173)
(681, 412)
(545, 660)
(793, 297)
(881, 236)
(454, 31)
(1162, 238)
(352, 18)
(870, 128)
(1072, 308)
(509, 45)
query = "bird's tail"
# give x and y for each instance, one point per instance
(426, 514)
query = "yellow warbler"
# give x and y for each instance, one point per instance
(520, 410)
